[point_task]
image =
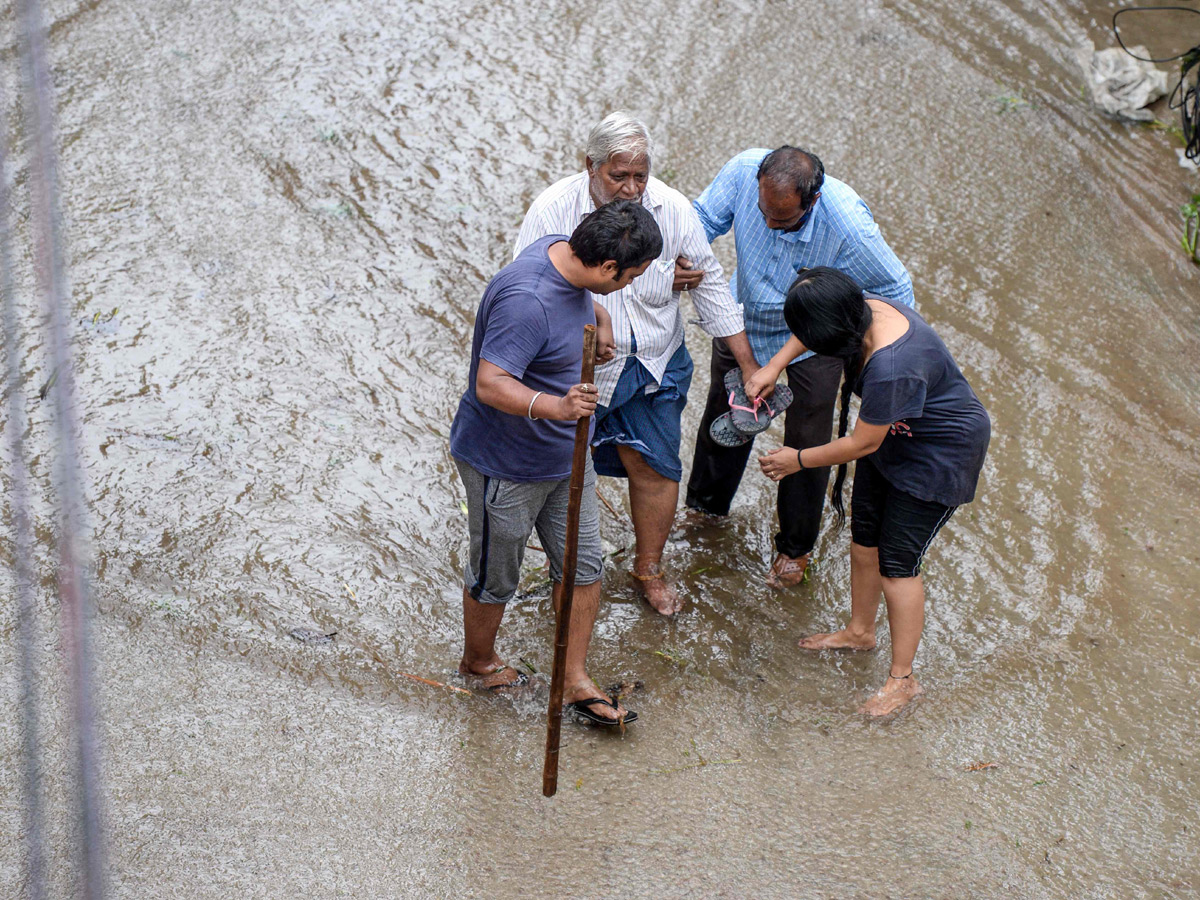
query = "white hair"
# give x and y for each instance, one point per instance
(619, 132)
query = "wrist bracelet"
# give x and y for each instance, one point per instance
(799, 461)
(529, 413)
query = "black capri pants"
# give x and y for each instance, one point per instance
(900, 525)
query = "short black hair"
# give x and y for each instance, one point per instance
(623, 231)
(794, 167)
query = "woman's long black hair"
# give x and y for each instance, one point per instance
(826, 310)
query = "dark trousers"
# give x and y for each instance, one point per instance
(717, 471)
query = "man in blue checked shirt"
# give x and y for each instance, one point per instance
(786, 216)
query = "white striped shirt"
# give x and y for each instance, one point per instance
(647, 310)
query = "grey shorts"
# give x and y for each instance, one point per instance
(501, 515)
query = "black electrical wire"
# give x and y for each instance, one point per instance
(1186, 96)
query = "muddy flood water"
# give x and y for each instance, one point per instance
(280, 218)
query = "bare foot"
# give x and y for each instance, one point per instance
(838, 640)
(658, 592)
(895, 694)
(493, 676)
(587, 689)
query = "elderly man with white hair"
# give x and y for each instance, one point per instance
(643, 389)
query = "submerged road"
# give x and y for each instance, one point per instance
(281, 217)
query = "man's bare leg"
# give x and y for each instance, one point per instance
(577, 685)
(652, 502)
(481, 623)
(866, 587)
(906, 619)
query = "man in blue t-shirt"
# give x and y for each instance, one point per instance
(513, 435)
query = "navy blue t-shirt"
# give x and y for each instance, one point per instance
(940, 430)
(530, 324)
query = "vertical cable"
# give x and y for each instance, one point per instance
(22, 547)
(72, 578)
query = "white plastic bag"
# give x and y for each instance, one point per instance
(1121, 85)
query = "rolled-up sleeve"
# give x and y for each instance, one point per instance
(720, 314)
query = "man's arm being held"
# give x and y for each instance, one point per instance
(500, 390)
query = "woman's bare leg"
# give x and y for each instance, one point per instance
(866, 587)
(906, 619)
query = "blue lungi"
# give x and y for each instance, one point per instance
(649, 423)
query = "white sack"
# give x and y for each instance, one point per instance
(1121, 85)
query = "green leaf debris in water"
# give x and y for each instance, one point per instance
(673, 656)
(1015, 102)
(702, 762)
(1190, 239)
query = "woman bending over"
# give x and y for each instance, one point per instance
(920, 440)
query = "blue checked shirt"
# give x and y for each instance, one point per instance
(839, 232)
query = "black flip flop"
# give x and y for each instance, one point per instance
(582, 708)
(725, 433)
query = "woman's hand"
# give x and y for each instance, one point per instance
(761, 383)
(778, 464)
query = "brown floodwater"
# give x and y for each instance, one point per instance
(281, 216)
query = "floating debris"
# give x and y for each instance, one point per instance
(1011, 102)
(673, 656)
(44, 390)
(1121, 85)
(626, 687)
(616, 515)
(701, 763)
(312, 636)
(432, 683)
(979, 767)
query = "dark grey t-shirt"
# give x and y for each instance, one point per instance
(530, 324)
(940, 430)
